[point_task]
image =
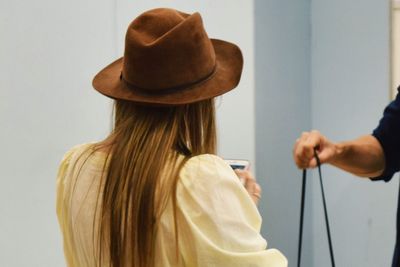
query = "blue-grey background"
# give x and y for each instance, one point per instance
(308, 64)
(323, 65)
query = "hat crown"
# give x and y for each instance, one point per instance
(166, 48)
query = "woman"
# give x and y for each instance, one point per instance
(153, 193)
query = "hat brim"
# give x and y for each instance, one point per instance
(229, 64)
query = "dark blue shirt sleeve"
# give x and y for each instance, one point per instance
(388, 135)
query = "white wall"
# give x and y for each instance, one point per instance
(49, 51)
(350, 88)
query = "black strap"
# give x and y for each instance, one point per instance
(303, 196)
(303, 193)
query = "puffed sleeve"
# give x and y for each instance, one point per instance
(219, 222)
(62, 204)
(61, 182)
(388, 135)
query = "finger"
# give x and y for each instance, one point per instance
(257, 189)
(324, 156)
(239, 174)
(322, 159)
(304, 136)
(302, 139)
(249, 185)
(256, 194)
(303, 155)
(314, 139)
(313, 163)
(256, 197)
(249, 175)
(297, 160)
(246, 174)
(297, 149)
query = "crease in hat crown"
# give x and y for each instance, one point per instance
(165, 48)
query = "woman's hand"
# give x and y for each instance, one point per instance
(303, 151)
(250, 183)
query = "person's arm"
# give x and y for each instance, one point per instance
(376, 155)
(363, 156)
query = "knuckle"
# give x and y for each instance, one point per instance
(304, 134)
(245, 174)
(308, 146)
(300, 164)
(258, 188)
(298, 154)
(297, 164)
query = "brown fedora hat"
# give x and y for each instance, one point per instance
(170, 60)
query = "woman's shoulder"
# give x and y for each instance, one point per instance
(75, 157)
(82, 152)
(206, 162)
(77, 149)
(210, 158)
(207, 168)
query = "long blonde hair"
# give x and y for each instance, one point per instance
(148, 149)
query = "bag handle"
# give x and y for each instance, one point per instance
(303, 194)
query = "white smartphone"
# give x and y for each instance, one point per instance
(240, 164)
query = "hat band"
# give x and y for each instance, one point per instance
(170, 90)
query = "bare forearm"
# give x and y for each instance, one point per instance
(363, 157)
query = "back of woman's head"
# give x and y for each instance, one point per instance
(187, 129)
(149, 145)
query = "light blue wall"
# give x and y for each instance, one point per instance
(322, 65)
(282, 77)
(350, 88)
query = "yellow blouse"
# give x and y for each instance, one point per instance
(219, 224)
